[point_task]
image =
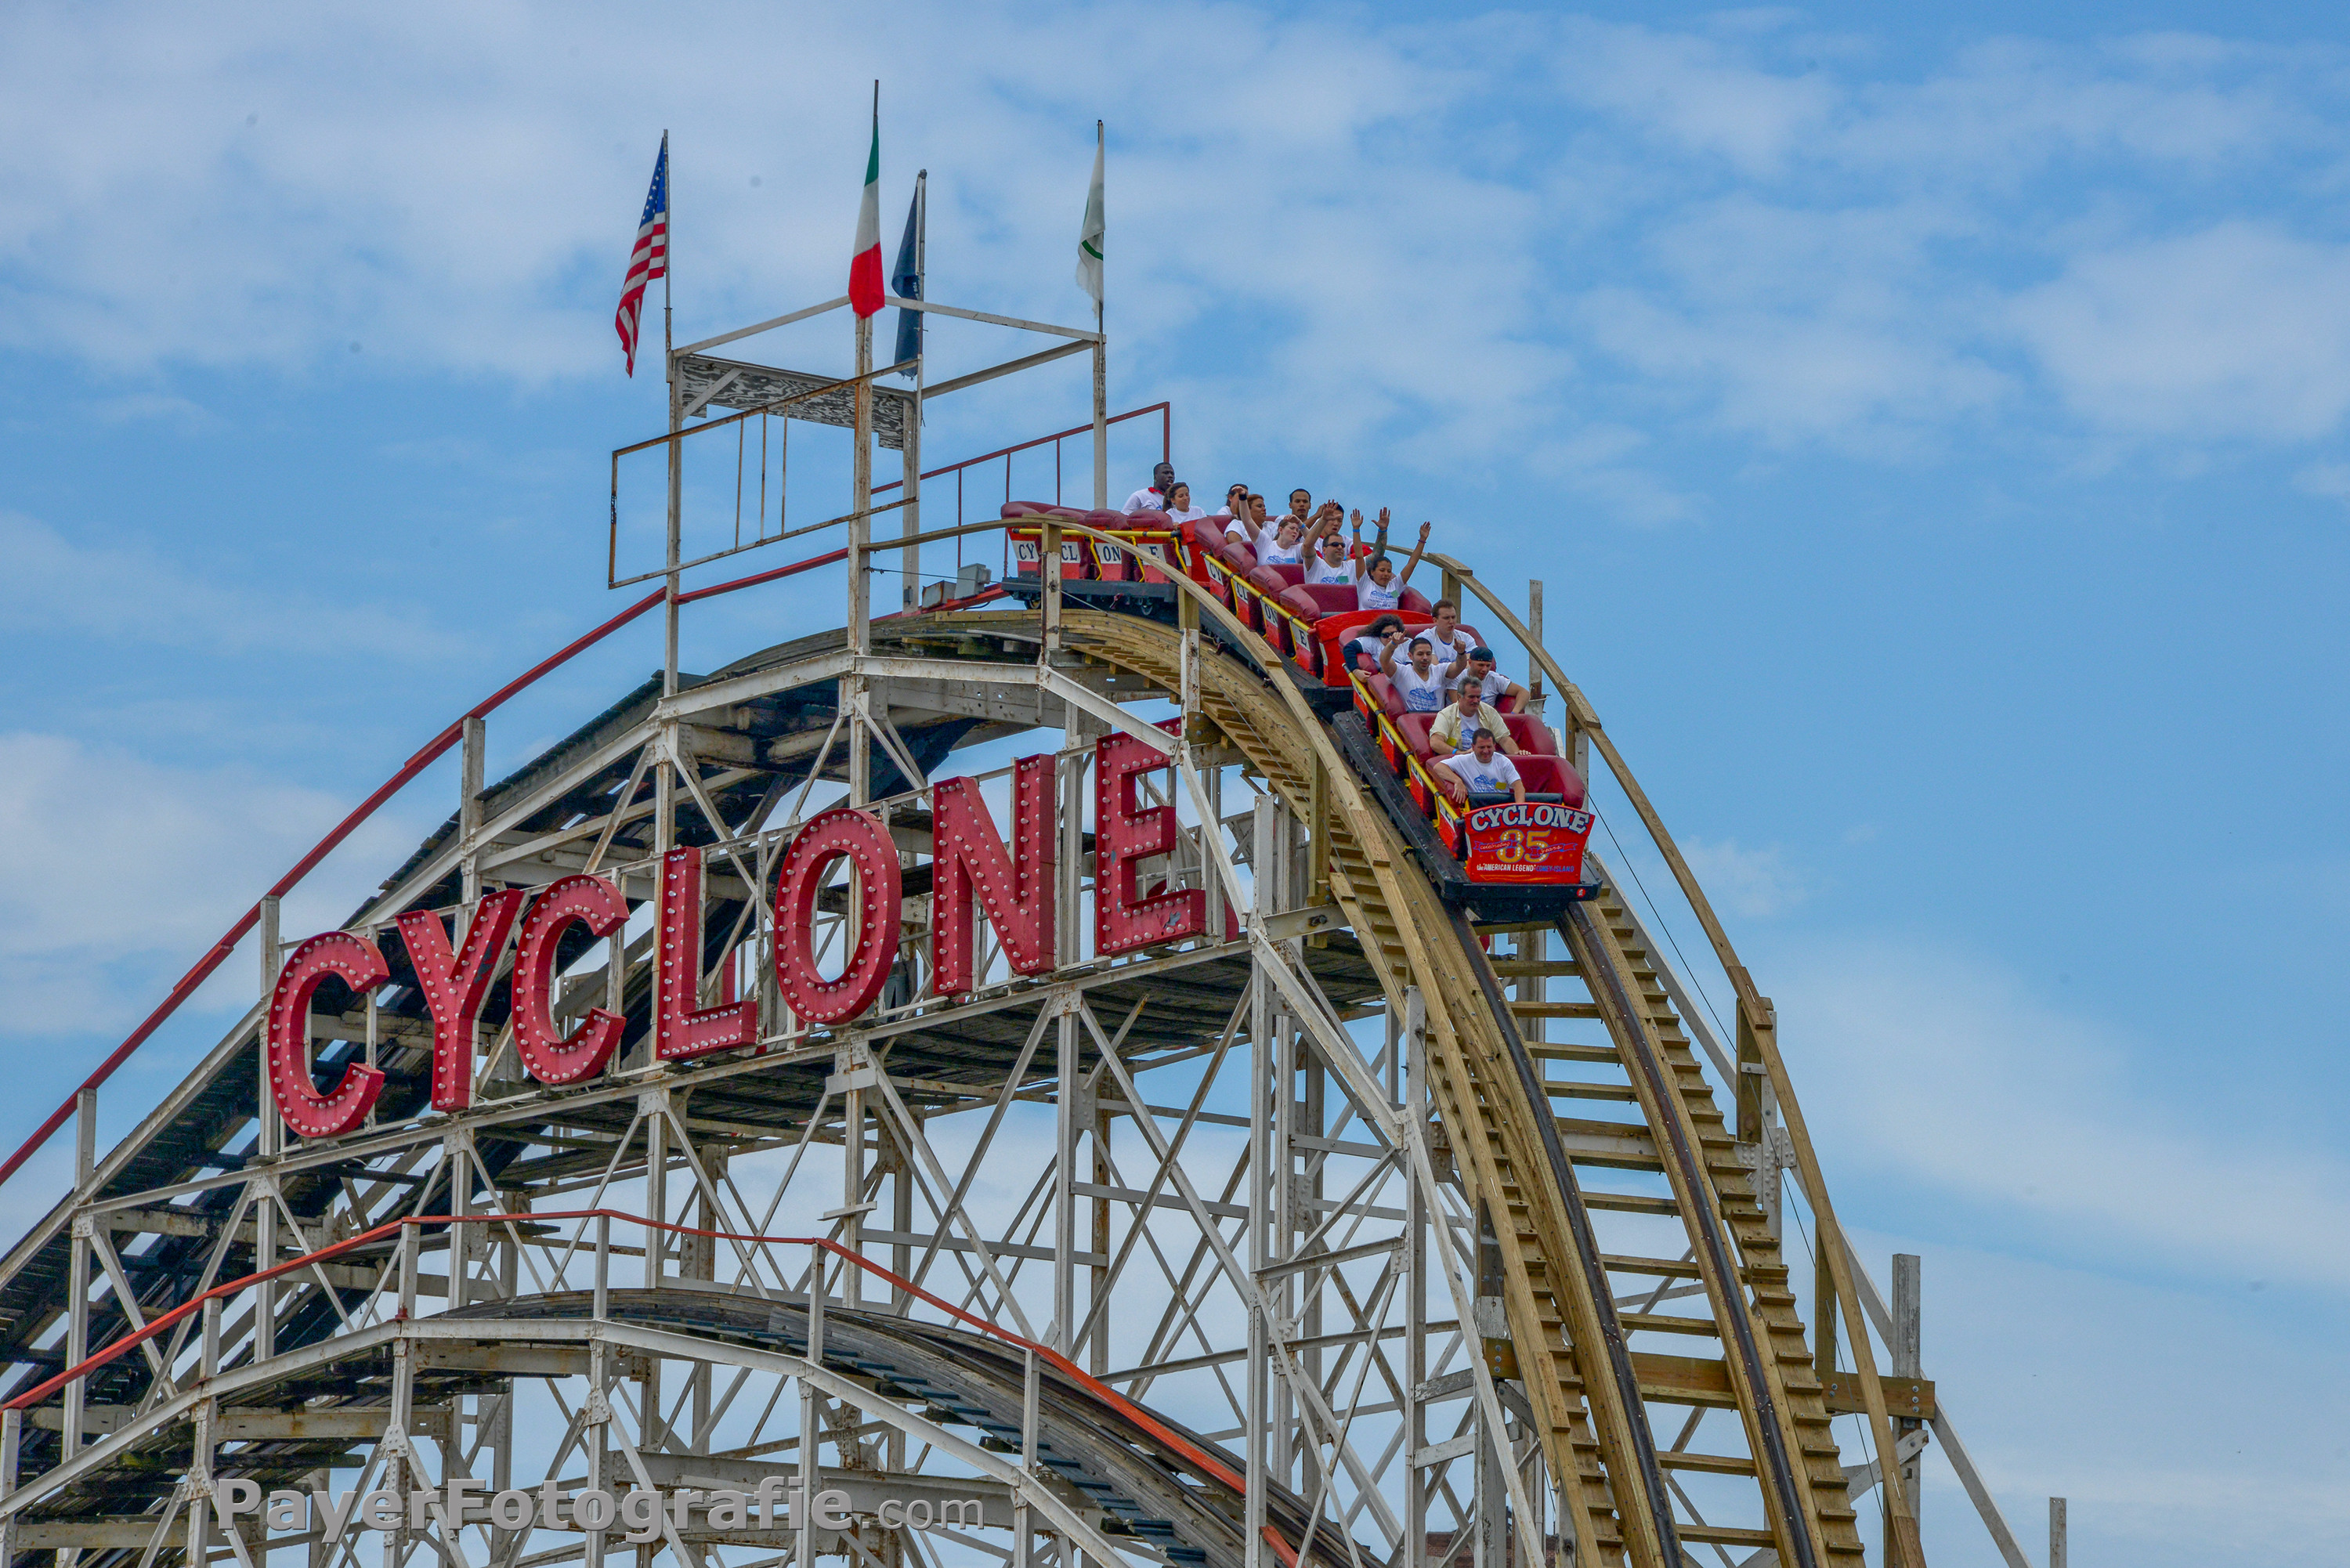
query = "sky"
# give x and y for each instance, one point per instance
(1930, 434)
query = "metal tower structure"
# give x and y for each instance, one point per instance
(725, 1102)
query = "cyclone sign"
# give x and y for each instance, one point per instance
(976, 875)
(1526, 841)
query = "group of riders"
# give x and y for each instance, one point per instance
(1440, 669)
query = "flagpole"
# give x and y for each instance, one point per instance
(676, 458)
(910, 448)
(860, 532)
(1101, 379)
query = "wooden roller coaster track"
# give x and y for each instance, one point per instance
(1540, 1141)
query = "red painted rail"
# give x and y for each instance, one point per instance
(1207, 1464)
(432, 752)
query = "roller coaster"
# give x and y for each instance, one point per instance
(1231, 1164)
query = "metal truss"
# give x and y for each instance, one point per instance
(1347, 1230)
(1259, 1193)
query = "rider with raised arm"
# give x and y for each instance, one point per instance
(1385, 633)
(1417, 680)
(1381, 587)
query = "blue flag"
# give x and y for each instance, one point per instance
(906, 283)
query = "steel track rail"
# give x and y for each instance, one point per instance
(1268, 720)
(977, 1383)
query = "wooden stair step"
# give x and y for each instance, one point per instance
(1569, 1089)
(1555, 1009)
(1559, 1051)
(1723, 1535)
(1712, 1464)
(1630, 1203)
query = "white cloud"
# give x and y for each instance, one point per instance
(1463, 240)
(1949, 1072)
(129, 593)
(2043, 1365)
(2328, 480)
(1758, 883)
(117, 872)
(2240, 329)
(1699, 94)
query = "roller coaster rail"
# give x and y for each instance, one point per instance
(1392, 1192)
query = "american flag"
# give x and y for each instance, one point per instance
(650, 260)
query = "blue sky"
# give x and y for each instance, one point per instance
(1931, 435)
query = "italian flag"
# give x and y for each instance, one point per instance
(865, 286)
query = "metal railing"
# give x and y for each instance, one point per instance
(1165, 411)
(432, 752)
(441, 744)
(400, 1275)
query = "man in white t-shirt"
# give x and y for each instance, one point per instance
(1417, 680)
(1331, 564)
(1496, 685)
(1482, 768)
(1301, 506)
(1152, 497)
(1452, 642)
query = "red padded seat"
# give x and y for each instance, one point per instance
(1531, 734)
(1238, 557)
(1551, 776)
(1413, 728)
(1290, 576)
(1020, 508)
(1296, 600)
(1384, 690)
(1267, 582)
(1204, 533)
(1413, 602)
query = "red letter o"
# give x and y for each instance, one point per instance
(860, 836)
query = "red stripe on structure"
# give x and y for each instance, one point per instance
(434, 751)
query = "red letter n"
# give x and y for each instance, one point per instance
(1016, 889)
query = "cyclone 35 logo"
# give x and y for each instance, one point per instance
(1531, 813)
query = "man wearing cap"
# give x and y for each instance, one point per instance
(1152, 497)
(1494, 685)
